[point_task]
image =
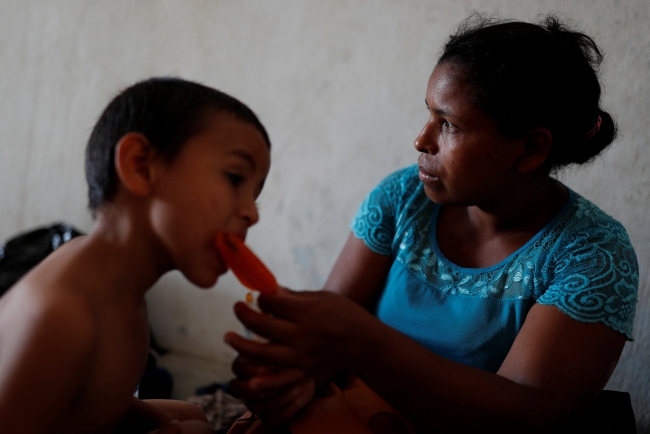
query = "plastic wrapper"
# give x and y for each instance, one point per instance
(22, 252)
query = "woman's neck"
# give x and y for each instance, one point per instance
(483, 236)
(523, 209)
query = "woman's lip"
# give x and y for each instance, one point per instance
(427, 177)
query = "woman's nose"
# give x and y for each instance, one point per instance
(425, 142)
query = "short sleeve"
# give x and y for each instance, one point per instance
(375, 221)
(595, 277)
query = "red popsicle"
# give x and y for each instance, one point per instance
(248, 268)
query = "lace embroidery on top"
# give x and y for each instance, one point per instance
(582, 261)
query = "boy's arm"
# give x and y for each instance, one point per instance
(145, 415)
(185, 427)
(162, 416)
(45, 351)
(142, 416)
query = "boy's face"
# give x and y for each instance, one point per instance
(209, 187)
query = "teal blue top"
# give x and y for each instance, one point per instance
(582, 262)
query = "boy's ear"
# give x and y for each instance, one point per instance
(537, 146)
(134, 163)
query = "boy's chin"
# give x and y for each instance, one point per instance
(205, 277)
(206, 281)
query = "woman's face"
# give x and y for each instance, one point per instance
(465, 160)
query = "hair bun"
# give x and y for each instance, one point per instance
(543, 75)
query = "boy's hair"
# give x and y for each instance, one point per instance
(167, 111)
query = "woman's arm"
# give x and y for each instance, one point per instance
(359, 273)
(555, 366)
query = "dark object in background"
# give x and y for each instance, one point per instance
(611, 413)
(21, 253)
(221, 409)
(616, 410)
(212, 388)
(156, 382)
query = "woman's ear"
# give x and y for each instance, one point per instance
(537, 146)
(134, 163)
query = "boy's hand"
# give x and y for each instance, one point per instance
(170, 428)
(142, 416)
(273, 394)
(187, 426)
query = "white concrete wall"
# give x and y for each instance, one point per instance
(340, 86)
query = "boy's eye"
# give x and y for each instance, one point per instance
(235, 179)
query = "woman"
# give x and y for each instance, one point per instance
(502, 298)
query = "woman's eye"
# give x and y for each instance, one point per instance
(449, 127)
(235, 179)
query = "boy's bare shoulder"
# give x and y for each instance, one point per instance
(71, 324)
(62, 317)
(48, 335)
(49, 302)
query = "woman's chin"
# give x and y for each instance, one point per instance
(434, 195)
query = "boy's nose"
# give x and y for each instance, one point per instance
(425, 142)
(250, 213)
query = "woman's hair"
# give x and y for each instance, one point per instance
(528, 76)
(167, 111)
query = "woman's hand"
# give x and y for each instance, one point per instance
(318, 332)
(272, 377)
(273, 394)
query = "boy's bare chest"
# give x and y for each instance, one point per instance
(120, 359)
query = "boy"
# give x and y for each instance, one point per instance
(169, 164)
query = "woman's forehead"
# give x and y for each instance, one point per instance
(449, 89)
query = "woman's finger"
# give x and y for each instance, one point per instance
(286, 304)
(242, 390)
(275, 329)
(266, 387)
(280, 380)
(245, 368)
(265, 353)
